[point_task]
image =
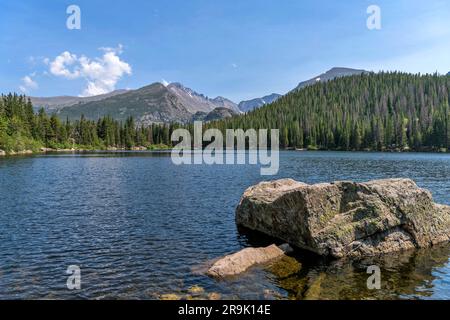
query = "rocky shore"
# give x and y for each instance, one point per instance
(51, 150)
(346, 219)
(15, 153)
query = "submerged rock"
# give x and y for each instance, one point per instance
(214, 296)
(315, 288)
(284, 267)
(346, 219)
(240, 261)
(170, 296)
(196, 290)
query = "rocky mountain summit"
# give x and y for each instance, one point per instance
(155, 103)
(337, 72)
(346, 219)
(216, 114)
(250, 105)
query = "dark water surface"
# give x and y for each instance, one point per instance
(140, 227)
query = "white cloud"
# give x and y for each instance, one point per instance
(101, 74)
(28, 84)
(58, 67)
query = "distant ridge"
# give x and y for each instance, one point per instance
(195, 102)
(331, 74)
(165, 103)
(250, 105)
(155, 103)
(385, 111)
(51, 104)
(217, 114)
(337, 72)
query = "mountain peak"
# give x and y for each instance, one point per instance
(226, 103)
(331, 74)
(176, 85)
(343, 69)
(220, 99)
(250, 105)
(155, 86)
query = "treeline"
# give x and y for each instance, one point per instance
(22, 129)
(365, 112)
(384, 111)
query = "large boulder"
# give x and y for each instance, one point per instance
(346, 219)
(2, 153)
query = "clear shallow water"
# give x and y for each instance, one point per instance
(139, 226)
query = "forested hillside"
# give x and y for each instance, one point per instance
(369, 111)
(22, 129)
(385, 111)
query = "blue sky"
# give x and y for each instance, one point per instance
(238, 49)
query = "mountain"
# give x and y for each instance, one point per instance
(151, 104)
(371, 111)
(220, 113)
(196, 102)
(51, 104)
(221, 102)
(216, 114)
(448, 73)
(330, 75)
(250, 105)
(158, 103)
(155, 103)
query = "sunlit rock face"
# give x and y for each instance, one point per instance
(239, 262)
(346, 219)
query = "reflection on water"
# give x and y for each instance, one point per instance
(139, 227)
(406, 275)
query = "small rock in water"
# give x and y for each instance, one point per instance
(196, 290)
(214, 296)
(239, 262)
(170, 296)
(272, 295)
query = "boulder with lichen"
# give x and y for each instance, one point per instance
(346, 219)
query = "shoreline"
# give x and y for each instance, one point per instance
(4, 154)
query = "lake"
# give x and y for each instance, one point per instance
(140, 227)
